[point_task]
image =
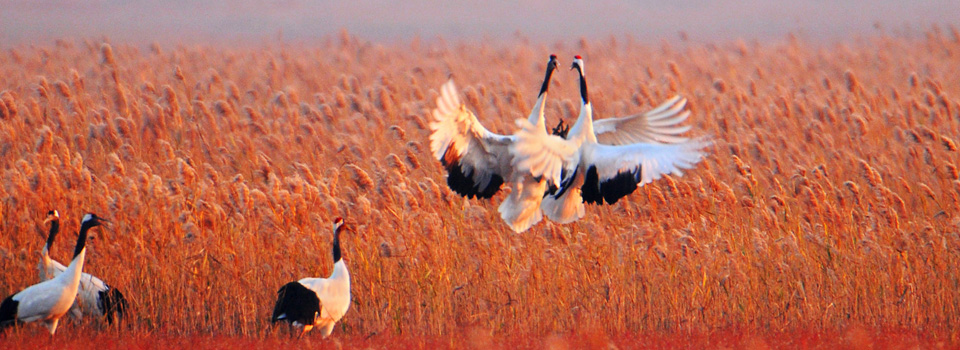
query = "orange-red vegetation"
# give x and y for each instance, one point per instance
(853, 337)
(830, 198)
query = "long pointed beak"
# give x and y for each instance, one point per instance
(48, 220)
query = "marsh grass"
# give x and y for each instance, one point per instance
(829, 198)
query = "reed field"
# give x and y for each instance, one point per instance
(827, 213)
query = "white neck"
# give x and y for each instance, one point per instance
(582, 129)
(536, 115)
(72, 273)
(340, 271)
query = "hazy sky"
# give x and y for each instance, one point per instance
(26, 21)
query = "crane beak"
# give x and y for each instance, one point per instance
(48, 219)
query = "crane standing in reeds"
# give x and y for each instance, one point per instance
(48, 301)
(316, 302)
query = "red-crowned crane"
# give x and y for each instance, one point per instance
(479, 161)
(316, 302)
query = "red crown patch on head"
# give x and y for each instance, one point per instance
(338, 220)
(578, 57)
(553, 57)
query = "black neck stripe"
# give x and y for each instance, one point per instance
(583, 86)
(336, 245)
(82, 238)
(546, 79)
(54, 229)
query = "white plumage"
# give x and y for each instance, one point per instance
(94, 296)
(316, 302)
(48, 301)
(642, 149)
(478, 161)
(659, 125)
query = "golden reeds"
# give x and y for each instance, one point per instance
(830, 198)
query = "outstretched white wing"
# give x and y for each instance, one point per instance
(659, 125)
(612, 172)
(476, 159)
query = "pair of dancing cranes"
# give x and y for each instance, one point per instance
(593, 162)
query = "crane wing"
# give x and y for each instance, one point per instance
(41, 300)
(541, 155)
(296, 302)
(476, 159)
(613, 172)
(659, 125)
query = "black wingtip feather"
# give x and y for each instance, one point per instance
(609, 191)
(620, 186)
(298, 302)
(112, 304)
(465, 186)
(590, 191)
(8, 312)
(462, 183)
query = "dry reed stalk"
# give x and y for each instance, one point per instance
(872, 176)
(400, 134)
(106, 52)
(948, 143)
(359, 176)
(393, 161)
(928, 192)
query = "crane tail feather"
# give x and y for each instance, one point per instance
(296, 304)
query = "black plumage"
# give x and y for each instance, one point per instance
(463, 183)
(112, 303)
(565, 183)
(296, 303)
(8, 312)
(590, 190)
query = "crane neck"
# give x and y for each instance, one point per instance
(82, 239)
(582, 129)
(340, 271)
(73, 272)
(536, 115)
(336, 245)
(51, 236)
(546, 78)
(583, 86)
